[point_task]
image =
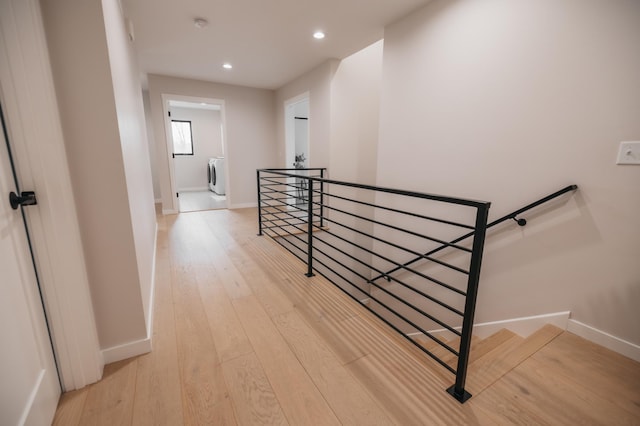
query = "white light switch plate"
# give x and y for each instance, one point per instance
(629, 153)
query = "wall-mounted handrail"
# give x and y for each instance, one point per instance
(513, 215)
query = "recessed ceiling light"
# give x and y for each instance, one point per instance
(319, 35)
(227, 66)
(200, 22)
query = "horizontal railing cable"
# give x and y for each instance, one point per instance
(399, 247)
(397, 228)
(421, 195)
(389, 323)
(408, 287)
(504, 218)
(389, 209)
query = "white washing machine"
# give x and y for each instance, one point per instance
(210, 172)
(217, 180)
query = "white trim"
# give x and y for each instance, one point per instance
(153, 284)
(32, 399)
(194, 189)
(166, 98)
(523, 326)
(243, 205)
(127, 350)
(158, 201)
(32, 112)
(616, 344)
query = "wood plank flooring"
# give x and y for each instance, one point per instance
(241, 336)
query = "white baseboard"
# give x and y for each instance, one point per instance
(243, 205)
(143, 346)
(523, 326)
(628, 349)
(169, 211)
(158, 200)
(194, 189)
(127, 350)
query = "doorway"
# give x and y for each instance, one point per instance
(197, 149)
(297, 155)
(296, 125)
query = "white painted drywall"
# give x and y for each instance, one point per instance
(191, 170)
(250, 125)
(318, 83)
(135, 150)
(103, 126)
(509, 101)
(355, 114)
(152, 145)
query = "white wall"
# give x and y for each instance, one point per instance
(103, 125)
(250, 124)
(509, 101)
(152, 146)
(318, 83)
(191, 170)
(135, 148)
(355, 115)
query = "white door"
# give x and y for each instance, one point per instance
(29, 386)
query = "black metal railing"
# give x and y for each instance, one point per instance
(353, 234)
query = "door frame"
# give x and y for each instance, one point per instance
(31, 111)
(289, 129)
(166, 98)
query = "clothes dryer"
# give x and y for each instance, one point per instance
(210, 173)
(218, 176)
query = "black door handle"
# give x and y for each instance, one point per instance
(28, 198)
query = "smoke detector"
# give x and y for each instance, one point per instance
(200, 22)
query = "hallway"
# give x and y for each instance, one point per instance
(241, 336)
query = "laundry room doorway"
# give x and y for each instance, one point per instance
(197, 152)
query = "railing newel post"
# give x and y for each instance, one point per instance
(309, 228)
(259, 203)
(321, 199)
(457, 390)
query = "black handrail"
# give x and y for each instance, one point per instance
(513, 215)
(285, 212)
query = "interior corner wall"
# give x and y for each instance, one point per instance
(318, 83)
(91, 118)
(507, 102)
(250, 125)
(355, 114)
(134, 144)
(152, 146)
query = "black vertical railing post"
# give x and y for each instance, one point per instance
(321, 199)
(310, 228)
(457, 390)
(259, 204)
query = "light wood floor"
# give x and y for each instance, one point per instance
(241, 336)
(191, 201)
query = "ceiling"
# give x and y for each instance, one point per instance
(268, 42)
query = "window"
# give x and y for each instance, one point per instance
(182, 139)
